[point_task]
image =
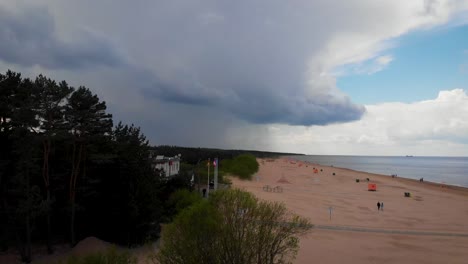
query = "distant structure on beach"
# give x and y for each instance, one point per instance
(170, 166)
(409, 156)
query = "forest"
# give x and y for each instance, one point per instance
(68, 172)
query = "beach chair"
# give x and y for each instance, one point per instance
(278, 189)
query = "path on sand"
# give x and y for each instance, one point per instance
(386, 231)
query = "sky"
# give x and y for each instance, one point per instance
(325, 77)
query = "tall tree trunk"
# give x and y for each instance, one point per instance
(73, 179)
(72, 224)
(27, 256)
(72, 198)
(50, 250)
(46, 177)
(20, 244)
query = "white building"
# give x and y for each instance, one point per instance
(170, 165)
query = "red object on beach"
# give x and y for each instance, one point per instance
(372, 187)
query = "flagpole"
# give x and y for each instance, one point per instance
(208, 185)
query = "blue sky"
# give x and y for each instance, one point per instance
(424, 63)
(347, 77)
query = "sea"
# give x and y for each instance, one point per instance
(448, 170)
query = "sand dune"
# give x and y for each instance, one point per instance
(431, 226)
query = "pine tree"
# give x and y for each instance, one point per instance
(86, 119)
(21, 203)
(137, 184)
(51, 108)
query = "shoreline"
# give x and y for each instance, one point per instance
(438, 184)
(429, 184)
(354, 230)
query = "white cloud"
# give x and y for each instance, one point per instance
(368, 67)
(432, 127)
(259, 62)
(365, 38)
(379, 64)
(384, 60)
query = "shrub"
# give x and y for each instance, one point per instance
(232, 226)
(180, 200)
(243, 166)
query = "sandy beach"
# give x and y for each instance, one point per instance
(431, 226)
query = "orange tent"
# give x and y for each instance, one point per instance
(372, 187)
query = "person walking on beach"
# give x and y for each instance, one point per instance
(378, 206)
(381, 206)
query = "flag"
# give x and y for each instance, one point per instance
(214, 162)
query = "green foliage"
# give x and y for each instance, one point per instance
(195, 155)
(196, 230)
(111, 256)
(177, 182)
(232, 226)
(243, 166)
(86, 120)
(60, 159)
(58, 150)
(202, 172)
(21, 199)
(180, 200)
(129, 190)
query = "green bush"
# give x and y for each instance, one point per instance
(232, 226)
(180, 200)
(243, 166)
(111, 256)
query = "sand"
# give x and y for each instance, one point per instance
(431, 226)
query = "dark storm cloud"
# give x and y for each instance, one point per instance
(28, 38)
(216, 73)
(250, 60)
(258, 106)
(246, 60)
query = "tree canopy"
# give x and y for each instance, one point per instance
(66, 172)
(62, 159)
(232, 226)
